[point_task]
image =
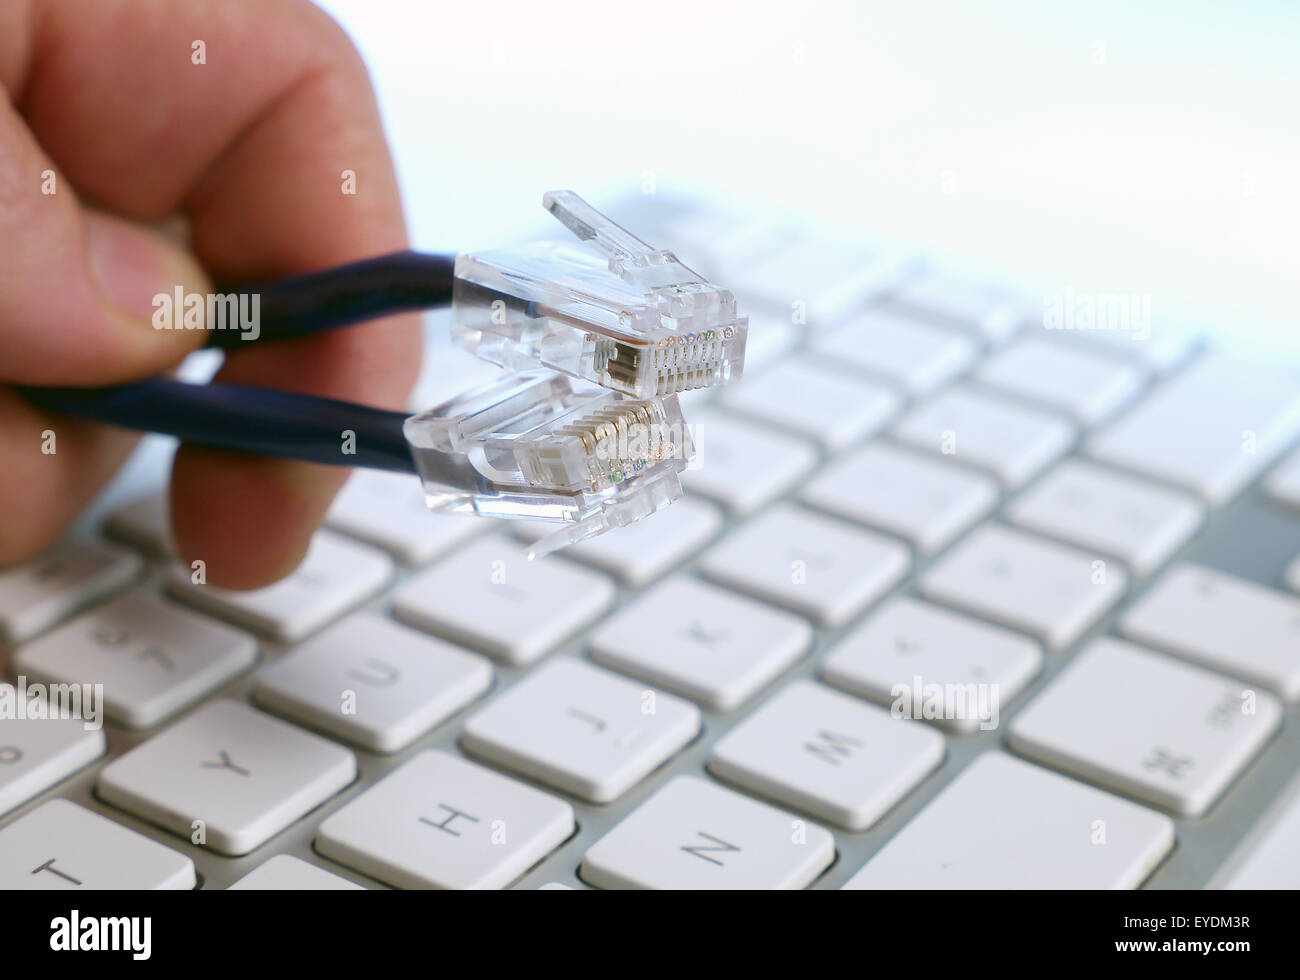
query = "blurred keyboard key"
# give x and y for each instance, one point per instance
(227, 776)
(907, 649)
(144, 523)
(36, 753)
(640, 553)
(581, 729)
(284, 872)
(925, 500)
(705, 643)
(1006, 824)
(372, 682)
(1015, 442)
(1020, 580)
(1269, 858)
(336, 576)
(693, 834)
(438, 821)
(1140, 523)
(73, 574)
(62, 846)
(1210, 429)
(910, 353)
(985, 309)
(388, 511)
(832, 408)
(1224, 623)
(744, 465)
(1086, 386)
(153, 657)
(490, 597)
(819, 567)
(1160, 345)
(1186, 733)
(818, 751)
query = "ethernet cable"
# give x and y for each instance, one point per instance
(584, 428)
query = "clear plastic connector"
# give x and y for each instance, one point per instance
(613, 310)
(549, 447)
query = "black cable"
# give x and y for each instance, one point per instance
(348, 294)
(256, 420)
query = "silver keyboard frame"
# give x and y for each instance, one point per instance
(1251, 537)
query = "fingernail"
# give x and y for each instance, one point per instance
(134, 266)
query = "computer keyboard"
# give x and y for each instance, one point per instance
(1071, 558)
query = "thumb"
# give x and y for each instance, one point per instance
(77, 286)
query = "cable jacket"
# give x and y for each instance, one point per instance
(344, 295)
(254, 420)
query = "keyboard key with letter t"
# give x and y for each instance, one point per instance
(438, 821)
(1224, 623)
(1142, 723)
(227, 776)
(581, 729)
(62, 846)
(822, 568)
(1006, 824)
(1026, 582)
(1211, 429)
(827, 754)
(693, 834)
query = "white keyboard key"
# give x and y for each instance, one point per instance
(816, 750)
(770, 337)
(438, 821)
(925, 500)
(284, 872)
(702, 642)
(1284, 484)
(744, 465)
(153, 657)
(1268, 858)
(1224, 623)
(1006, 824)
(641, 552)
(388, 511)
(230, 771)
(144, 523)
(1025, 582)
(556, 886)
(915, 355)
(824, 282)
(64, 580)
(832, 408)
(906, 648)
(1088, 387)
(334, 577)
(372, 682)
(1160, 346)
(693, 834)
(581, 729)
(489, 596)
(1185, 735)
(990, 311)
(1211, 429)
(36, 753)
(822, 568)
(60, 845)
(1014, 442)
(1140, 523)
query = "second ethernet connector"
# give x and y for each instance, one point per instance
(613, 311)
